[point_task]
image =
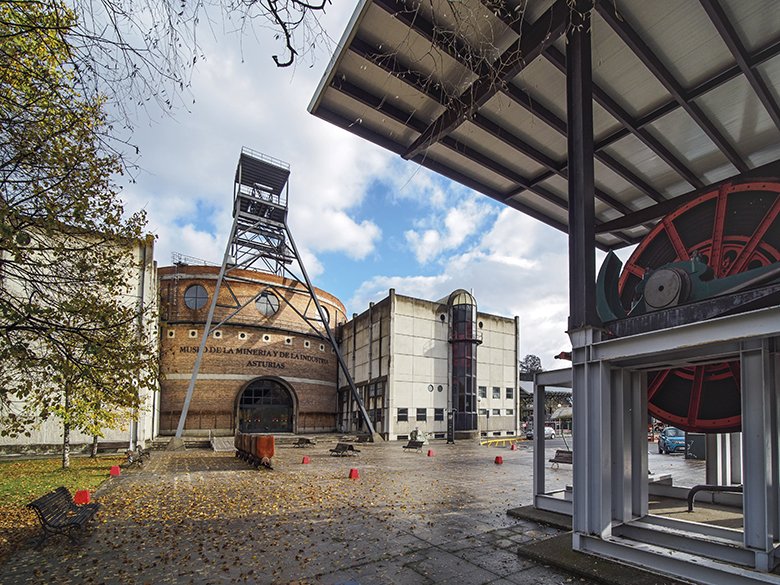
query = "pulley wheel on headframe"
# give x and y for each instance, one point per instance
(734, 228)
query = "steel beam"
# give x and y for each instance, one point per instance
(539, 486)
(545, 31)
(737, 48)
(206, 331)
(672, 562)
(721, 334)
(582, 236)
(760, 488)
(639, 466)
(635, 42)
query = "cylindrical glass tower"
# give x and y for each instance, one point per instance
(463, 346)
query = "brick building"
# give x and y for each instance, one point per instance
(266, 369)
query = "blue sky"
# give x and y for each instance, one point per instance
(363, 219)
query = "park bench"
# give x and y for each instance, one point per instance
(364, 439)
(561, 456)
(304, 442)
(343, 449)
(59, 515)
(415, 445)
(136, 457)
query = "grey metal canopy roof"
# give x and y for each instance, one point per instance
(685, 95)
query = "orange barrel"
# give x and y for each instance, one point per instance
(265, 446)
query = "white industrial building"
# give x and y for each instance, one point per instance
(417, 362)
(143, 427)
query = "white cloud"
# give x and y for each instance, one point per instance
(457, 225)
(377, 288)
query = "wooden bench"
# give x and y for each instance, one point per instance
(304, 442)
(364, 439)
(344, 449)
(561, 456)
(59, 515)
(415, 445)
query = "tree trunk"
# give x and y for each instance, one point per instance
(66, 445)
(93, 453)
(66, 432)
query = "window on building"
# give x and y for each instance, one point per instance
(496, 392)
(483, 391)
(195, 297)
(496, 412)
(422, 414)
(438, 414)
(267, 303)
(510, 393)
(510, 411)
(403, 414)
(483, 411)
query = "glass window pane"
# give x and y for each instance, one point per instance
(195, 297)
(267, 303)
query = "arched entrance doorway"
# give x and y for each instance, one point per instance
(265, 406)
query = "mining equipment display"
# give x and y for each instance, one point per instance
(255, 448)
(716, 255)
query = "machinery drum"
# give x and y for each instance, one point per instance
(734, 228)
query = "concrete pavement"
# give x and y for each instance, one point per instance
(204, 517)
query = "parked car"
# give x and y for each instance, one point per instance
(549, 433)
(671, 440)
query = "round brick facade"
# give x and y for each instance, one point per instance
(266, 353)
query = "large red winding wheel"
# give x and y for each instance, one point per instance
(734, 228)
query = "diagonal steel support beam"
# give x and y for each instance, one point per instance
(732, 40)
(630, 37)
(545, 31)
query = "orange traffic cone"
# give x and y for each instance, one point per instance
(499, 460)
(430, 453)
(353, 474)
(306, 459)
(513, 447)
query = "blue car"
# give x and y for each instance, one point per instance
(671, 440)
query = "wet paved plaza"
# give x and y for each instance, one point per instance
(203, 517)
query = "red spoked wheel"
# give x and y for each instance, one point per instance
(735, 228)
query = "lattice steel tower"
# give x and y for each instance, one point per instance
(260, 234)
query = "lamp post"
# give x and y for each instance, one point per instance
(451, 426)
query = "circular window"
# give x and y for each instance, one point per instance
(267, 303)
(430, 387)
(313, 315)
(195, 297)
(439, 388)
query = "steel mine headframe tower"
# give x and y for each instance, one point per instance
(260, 234)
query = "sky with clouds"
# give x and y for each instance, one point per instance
(363, 219)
